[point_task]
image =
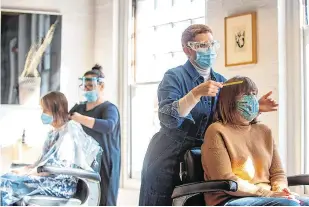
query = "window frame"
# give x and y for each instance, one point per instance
(306, 99)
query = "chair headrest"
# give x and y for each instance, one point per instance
(193, 166)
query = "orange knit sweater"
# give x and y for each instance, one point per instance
(245, 154)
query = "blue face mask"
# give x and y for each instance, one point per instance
(248, 106)
(46, 119)
(91, 96)
(206, 59)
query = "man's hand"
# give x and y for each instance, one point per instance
(208, 88)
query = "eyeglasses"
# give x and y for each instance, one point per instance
(204, 46)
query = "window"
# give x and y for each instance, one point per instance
(158, 28)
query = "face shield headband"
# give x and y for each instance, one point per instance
(89, 84)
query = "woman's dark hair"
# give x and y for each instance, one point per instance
(96, 70)
(57, 104)
(226, 107)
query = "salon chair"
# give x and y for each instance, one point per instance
(190, 193)
(88, 189)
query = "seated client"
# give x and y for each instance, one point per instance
(66, 146)
(238, 148)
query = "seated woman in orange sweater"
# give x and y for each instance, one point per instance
(238, 148)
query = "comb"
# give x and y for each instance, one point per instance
(232, 83)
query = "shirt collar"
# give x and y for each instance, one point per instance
(193, 72)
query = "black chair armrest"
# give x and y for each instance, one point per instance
(297, 180)
(70, 171)
(204, 187)
(17, 165)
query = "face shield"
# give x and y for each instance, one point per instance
(204, 46)
(88, 88)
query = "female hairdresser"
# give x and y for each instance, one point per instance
(100, 119)
(187, 98)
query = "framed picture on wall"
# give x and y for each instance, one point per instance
(240, 39)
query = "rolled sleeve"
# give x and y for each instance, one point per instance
(169, 92)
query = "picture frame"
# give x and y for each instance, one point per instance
(240, 39)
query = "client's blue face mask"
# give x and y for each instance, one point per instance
(91, 96)
(248, 107)
(46, 119)
(206, 59)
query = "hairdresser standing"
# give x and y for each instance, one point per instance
(187, 98)
(100, 119)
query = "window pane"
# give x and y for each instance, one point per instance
(162, 12)
(179, 58)
(162, 39)
(163, 5)
(182, 5)
(145, 123)
(144, 14)
(145, 43)
(146, 69)
(197, 8)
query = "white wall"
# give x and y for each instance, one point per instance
(77, 56)
(106, 37)
(267, 44)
